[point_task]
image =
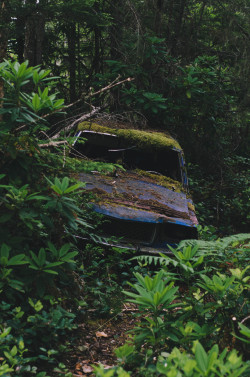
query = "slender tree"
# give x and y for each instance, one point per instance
(4, 20)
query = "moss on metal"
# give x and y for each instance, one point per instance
(191, 207)
(142, 139)
(129, 201)
(160, 180)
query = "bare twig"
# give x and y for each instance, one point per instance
(91, 113)
(113, 83)
(110, 86)
(245, 319)
(53, 144)
(95, 110)
(81, 119)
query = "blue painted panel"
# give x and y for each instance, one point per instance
(132, 214)
(137, 200)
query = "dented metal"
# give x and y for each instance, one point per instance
(137, 200)
(142, 209)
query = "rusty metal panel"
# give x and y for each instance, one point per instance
(129, 198)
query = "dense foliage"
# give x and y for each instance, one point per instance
(38, 214)
(194, 306)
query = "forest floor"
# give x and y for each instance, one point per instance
(96, 341)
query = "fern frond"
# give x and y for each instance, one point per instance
(220, 244)
(152, 259)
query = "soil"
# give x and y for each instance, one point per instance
(96, 341)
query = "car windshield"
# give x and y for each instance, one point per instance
(110, 148)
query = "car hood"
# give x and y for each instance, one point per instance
(132, 196)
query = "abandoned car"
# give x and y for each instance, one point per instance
(145, 199)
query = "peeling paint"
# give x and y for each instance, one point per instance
(139, 196)
(131, 196)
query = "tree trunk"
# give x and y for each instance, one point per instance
(79, 73)
(115, 31)
(20, 32)
(179, 21)
(158, 17)
(4, 26)
(71, 37)
(34, 35)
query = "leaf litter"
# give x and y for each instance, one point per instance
(96, 340)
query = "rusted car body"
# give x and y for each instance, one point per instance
(145, 202)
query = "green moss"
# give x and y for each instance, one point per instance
(160, 180)
(143, 139)
(87, 166)
(191, 207)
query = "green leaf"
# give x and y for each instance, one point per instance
(201, 357)
(53, 249)
(64, 184)
(5, 251)
(64, 249)
(34, 258)
(36, 102)
(13, 351)
(37, 306)
(17, 260)
(213, 353)
(54, 264)
(41, 257)
(5, 332)
(244, 330)
(52, 272)
(72, 188)
(69, 256)
(41, 374)
(57, 189)
(189, 367)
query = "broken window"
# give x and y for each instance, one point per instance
(110, 148)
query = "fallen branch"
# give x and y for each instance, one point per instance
(87, 96)
(110, 86)
(84, 117)
(53, 144)
(81, 119)
(95, 110)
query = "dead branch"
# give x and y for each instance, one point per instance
(86, 116)
(90, 94)
(110, 86)
(95, 110)
(53, 144)
(81, 119)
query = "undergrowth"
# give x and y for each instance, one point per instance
(193, 315)
(193, 306)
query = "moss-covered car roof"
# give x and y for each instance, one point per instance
(143, 139)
